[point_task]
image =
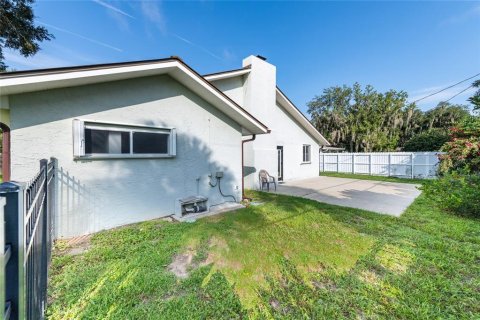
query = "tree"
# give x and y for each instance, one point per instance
(444, 116)
(364, 120)
(475, 99)
(431, 140)
(17, 29)
(458, 187)
(463, 149)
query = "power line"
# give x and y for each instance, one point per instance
(453, 85)
(471, 86)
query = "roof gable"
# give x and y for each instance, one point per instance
(281, 98)
(288, 105)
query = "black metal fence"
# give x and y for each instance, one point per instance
(28, 215)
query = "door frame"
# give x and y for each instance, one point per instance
(280, 163)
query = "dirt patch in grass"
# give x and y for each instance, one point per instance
(181, 264)
(184, 263)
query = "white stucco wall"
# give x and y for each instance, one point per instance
(101, 194)
(285, 132)
(259, 90)
(233, 88)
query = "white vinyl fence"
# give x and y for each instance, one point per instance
(397, 164)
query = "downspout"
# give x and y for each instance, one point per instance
(5, 131)
(243, 170)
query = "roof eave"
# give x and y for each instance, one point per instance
(227, 74)
(36, 80)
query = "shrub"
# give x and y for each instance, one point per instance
(457, 192)
(463, 149)
(431, 140)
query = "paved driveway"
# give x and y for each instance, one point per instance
(382, 197)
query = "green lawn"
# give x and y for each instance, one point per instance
(288, 258)
(374, 178)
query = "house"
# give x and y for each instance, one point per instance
(133, 139)
(291, 150)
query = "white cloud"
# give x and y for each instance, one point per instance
(121, 21)
(115, 9)
(210, 53)
(100, 43)
(40, 60)
(183, 39)
(429, 90)
(76, 57)
(472, 13)
(228, 55)
(120, 17)
(151, 10)
(52, 55)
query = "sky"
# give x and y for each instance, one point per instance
(418, 47)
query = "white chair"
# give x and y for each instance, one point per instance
(266, 179)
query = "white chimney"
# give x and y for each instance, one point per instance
(260, 87)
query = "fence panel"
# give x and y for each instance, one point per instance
(28, 232)
(397, 164)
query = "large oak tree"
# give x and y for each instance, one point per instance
(365, 120)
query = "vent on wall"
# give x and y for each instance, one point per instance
(192, 204)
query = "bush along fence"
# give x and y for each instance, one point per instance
(395, 164)
(26, 232)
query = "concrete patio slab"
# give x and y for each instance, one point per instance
(382, 197)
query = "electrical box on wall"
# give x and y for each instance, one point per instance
(219, 174)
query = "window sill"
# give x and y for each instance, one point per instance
(124, 156)
(308, 162)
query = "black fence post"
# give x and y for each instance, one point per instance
(14, 269)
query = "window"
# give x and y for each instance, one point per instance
(150, 142)
(306, 153)
(107, 140)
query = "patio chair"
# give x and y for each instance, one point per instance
(266, 179)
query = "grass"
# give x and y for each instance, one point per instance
(374, 178)
(288, 258)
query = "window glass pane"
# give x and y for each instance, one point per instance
(106, 141)
(306, 153)
(125, 142)
(150, 142)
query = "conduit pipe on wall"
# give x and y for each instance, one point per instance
(243, 168)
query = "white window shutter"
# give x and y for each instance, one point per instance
(78, 138)
(173, 142)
